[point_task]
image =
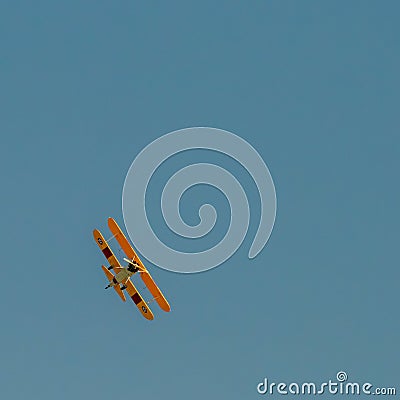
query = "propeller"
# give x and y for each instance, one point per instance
(135, 263)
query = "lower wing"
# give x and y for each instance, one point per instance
(138, 300)
(105, 249)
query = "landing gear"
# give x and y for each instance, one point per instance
(123, 287)
(108, 286)
(110, 268)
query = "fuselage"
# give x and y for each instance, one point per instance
(123, 275)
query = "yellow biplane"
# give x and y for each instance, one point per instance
(121, 280)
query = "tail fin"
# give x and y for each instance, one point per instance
(110, 277)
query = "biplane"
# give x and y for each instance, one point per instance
(120, 281)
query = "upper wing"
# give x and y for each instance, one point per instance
(101, 242)
(138, 300)
(145, 275)
(155, 291)
(121, 239)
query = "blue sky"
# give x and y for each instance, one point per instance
(313, 86)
